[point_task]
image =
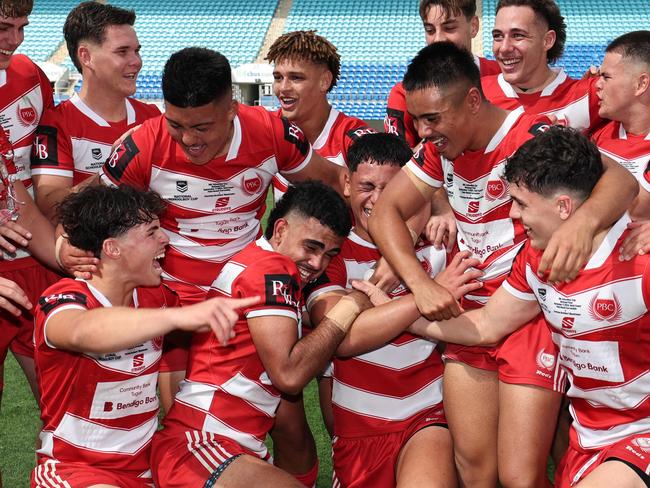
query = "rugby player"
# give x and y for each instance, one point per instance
(468, 141)
(443, 20)
(214, 434)
(99, 343)
(599, 321)
(74, 139)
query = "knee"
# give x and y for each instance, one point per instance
(519, 477)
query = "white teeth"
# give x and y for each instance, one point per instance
(509, 62)
(439, 141)
(160, 256)
(6, 53)
(367, 211)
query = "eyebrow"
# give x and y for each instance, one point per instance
(191, 126)
(316, 243)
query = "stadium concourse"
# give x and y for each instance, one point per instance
(376, 41)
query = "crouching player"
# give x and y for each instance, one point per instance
(98, 343)
(600, 321)
(389, 423)
(214, 433)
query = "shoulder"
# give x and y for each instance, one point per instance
(144, 110)
(65, 292)
(157, 297)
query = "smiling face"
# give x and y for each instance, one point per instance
(540, 215)
(115, 62)
(141, 248)
(307, 242)
(442, 117)
(363, 188)
(520, 42)
(204, 132)
(301, 86)
(456, 28)
(12, 34)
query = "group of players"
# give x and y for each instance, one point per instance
(500, 214)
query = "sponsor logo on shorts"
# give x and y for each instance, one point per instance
(605, 308)
(545, 360)
(642, 443)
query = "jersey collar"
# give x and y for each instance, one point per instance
(262, 243)
(325, 133)
(504, 129)
(235, 142)
(510, 91)
(354, 237)
(622, 133)
(3, 77)
(101, 298)
(608, 246)
(95, 117)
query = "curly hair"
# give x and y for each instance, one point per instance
(16, 8)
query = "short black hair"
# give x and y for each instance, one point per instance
(560, 159)
(449, 7)
(313, 199)
(97, 213)
(196, 76)
(634, 45)
(88, 21)
(16, 8)
(549, 12)
(442, 65)
(379, 148)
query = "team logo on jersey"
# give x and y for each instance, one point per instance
(418, 155)
(295, 136)
(567, 322)
(157, 342)
(539, 128)
(542, 293)
(642, 443)
(361, 131)
(251, 184)
(496, 189)
(394, 121)
(97, 153)
(449, 179)
(50, 302)
(605, 308)
(181, 186)
(472, 207)
(545, 360)
(26, 113)
(281, 289)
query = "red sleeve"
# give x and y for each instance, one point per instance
(426, 165)
(489, 67)
(130, 163)
(516, 283)
(356, 130)
(52, 151)
(397, 120)
(334, 278)
(292, 149)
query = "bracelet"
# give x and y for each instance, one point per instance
(344, 313)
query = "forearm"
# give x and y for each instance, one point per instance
(48, 199)
(375, 327)
(468, 329)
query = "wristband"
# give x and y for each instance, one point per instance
(344, 313)
(57, 250)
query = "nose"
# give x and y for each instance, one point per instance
(187, 137)
(316, 261)
(375, 195)
(16, 37)
(164, 239)
(505, 44)
(514, 211)
(424, 129)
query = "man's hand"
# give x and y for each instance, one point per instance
(567, 251)
(384, 277)
(10, 294)
(16, 233)
(442, 230)
(76, 262)
(434, 301)
(376, 295)
(216, 314)
(459, 277)
(638, 240)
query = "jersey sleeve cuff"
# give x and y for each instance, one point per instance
(105, 179)
(529, 297)
(301, 166)
(321, 291)
(423, 176)
(52, 172)
(269, 312)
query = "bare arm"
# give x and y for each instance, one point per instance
(400, 200)
(104, 330)
(49, 190)
(501, 315)
(570, 245)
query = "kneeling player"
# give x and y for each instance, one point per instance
(599, 321)
(215, 431)
(389, 422)
(98, 343)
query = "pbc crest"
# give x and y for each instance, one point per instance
(251, 183)
(496, 189)
(545, 360)
(642, 443)
(605, 308)
(26, 112)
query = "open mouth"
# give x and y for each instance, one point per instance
(367, 211)
(440, 143)
(195, 151)
(288, 103)
(509, 64)
(156, 261)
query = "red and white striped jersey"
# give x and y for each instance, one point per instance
(73, 141)
(25, 92)
(214, 209)
(97, 409)
(629, 150)
(226, 390)
(479, 196)
(398, 121)
(383, 390)
(333, 143)
(573, 102)
(601, 325)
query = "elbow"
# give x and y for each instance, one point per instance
(288, 383)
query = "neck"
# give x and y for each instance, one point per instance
(119, 293)
(489, 119)
(638, 121)
(363, 234)
(540, 80)
(106, 103)
(313, 125)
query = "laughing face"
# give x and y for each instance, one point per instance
(142, 247)
(12, 35)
